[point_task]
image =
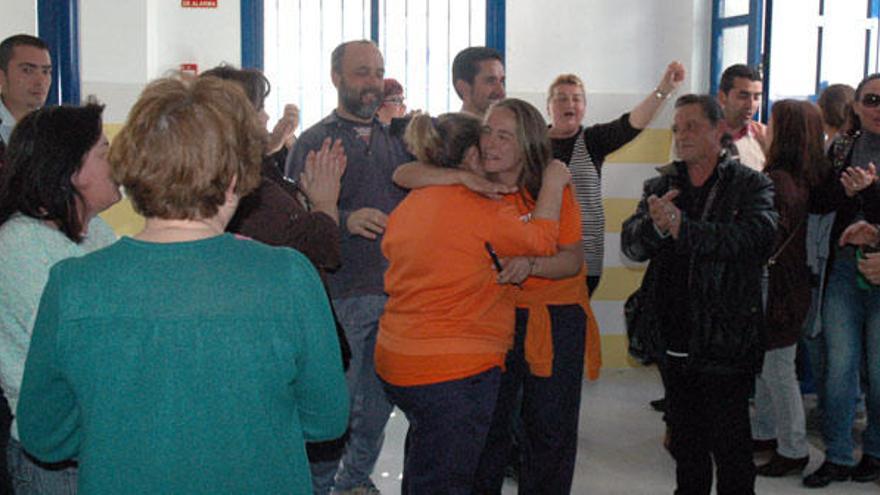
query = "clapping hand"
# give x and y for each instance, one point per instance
(665, 215)
(860, 233)
(284, 132)
(321, 175)
(857, 179)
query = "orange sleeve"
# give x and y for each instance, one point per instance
(569, 219)
(511, 236)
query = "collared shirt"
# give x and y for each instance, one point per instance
(7, 122)
(748, 147)
(366, 184)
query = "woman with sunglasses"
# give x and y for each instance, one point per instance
(851, 310)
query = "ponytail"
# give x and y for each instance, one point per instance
(421, 137)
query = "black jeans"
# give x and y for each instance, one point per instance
(708, 419)
(550, 410)
(5, 423)
(448, 424)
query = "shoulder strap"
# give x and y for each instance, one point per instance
(772, 260)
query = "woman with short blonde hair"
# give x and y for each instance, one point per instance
(214, 355)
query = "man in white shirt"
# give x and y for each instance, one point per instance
(25, 78)
(740, 93)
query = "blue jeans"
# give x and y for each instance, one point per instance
(32, 478)
(370, 408)
(851, 328)
(448, 425)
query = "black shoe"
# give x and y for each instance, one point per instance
(763, 445)
(867, 470)
(659, 405)
(779, 466)
(827, 473)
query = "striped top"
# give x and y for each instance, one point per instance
(585, 152)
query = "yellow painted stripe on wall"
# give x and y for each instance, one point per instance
(111, 130)
(617, 210)
(123, 218)
(618, 282)
(651, 146)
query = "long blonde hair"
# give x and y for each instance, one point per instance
(531, 133)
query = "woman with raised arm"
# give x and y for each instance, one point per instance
(447, 323)
(584, 149)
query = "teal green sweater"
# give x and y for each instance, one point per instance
(184, 368)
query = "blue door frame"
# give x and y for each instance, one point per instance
(58, 26)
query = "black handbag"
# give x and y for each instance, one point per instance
(642, 330)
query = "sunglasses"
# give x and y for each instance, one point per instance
(871, 100)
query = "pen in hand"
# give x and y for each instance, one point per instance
(495, 260)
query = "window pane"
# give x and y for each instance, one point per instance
(419, 39)
(794, 49)
(299, 37)
(734, 46)
(730, 8)
(844, 32)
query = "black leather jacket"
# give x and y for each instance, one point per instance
(727, 252)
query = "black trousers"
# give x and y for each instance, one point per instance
(5, 423)
(708, 419)
(550, 410)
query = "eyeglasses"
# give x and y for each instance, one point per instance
(396, 101)
(871, 100)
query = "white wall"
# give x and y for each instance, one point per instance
(17, 16)
(618, 47)
(124, 44)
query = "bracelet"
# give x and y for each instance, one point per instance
(661, 95)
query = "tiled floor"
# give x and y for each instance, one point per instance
(620, 448)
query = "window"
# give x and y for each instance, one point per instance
(418, 38)
(299, 37)
(736, 35)
(812, 43)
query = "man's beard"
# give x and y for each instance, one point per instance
(352, 101)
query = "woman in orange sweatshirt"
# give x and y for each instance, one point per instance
(556, 335)
(448, 324)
